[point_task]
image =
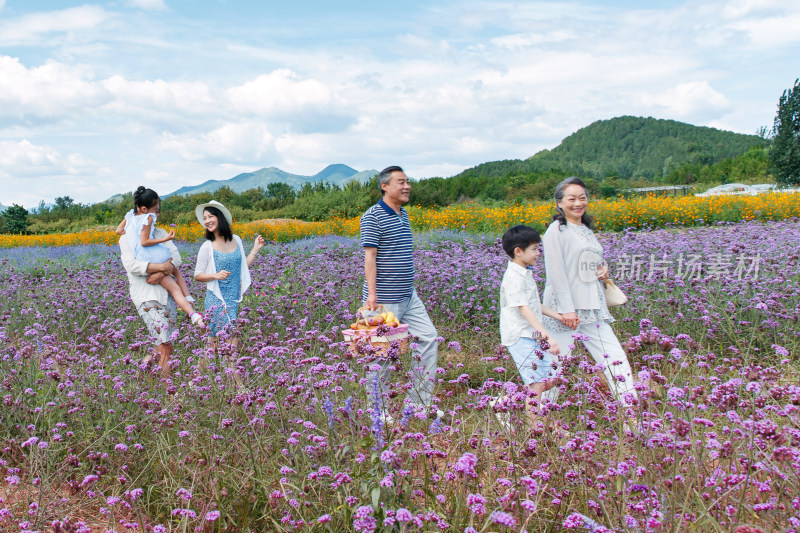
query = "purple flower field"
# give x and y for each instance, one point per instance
(279, 434)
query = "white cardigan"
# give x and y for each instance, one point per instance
(205, 265)
(563, 252)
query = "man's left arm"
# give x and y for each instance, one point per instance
(173, 251)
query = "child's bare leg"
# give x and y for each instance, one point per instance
(533, 407)
(536, 418)
(212, 343)
(169, 283)
(179, 279)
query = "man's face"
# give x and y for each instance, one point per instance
(398, 189)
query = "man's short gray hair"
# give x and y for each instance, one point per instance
(386, 175)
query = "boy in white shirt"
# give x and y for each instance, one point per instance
(534, 351)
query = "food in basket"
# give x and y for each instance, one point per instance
(369, 321)
(376, 320)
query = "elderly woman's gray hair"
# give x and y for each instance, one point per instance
(559, 195)
(386, 175)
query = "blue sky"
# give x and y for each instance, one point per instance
(97, 98)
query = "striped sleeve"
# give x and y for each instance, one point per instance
(370, 230)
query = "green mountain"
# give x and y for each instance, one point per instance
(628, 147)
(335, 174)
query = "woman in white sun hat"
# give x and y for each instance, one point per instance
(223, 266)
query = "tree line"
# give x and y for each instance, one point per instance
(612, 156)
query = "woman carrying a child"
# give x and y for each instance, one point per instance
(223, 265)
(139, 226)
(575, 270)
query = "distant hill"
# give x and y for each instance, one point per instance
(117, 198)
(3, 207)
(628, 147)
(337, 174)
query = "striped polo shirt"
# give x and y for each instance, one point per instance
(383, 228)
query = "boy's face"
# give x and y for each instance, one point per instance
(529, 255)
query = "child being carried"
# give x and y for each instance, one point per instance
(140, 229)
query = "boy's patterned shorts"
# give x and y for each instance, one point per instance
(534, 364)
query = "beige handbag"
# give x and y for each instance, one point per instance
(614, 295)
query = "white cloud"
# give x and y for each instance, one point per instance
(283, 93)
(291, 103)
(31, 172)
(247, 142)
(181, 96)
(425, 47)
(30, 28)
(2, 4)
(745, 8)
(55, 91)
(521, 41)
(24, 159)
(768, 24)
(769, 32)
(51, 90)
(687, 100)
(152, 5)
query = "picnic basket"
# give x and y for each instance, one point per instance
(375, 342)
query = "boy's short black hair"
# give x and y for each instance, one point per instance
(519, 237)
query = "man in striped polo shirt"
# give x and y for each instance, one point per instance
(389, 268)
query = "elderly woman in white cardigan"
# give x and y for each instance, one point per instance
(223, 266)
(575, 269)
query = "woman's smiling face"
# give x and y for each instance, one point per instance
(574, 202)
(210, 222)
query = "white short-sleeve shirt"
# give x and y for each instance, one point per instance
(518, 288)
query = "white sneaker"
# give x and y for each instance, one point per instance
(387, 419)
(503, 417)
(422, 412)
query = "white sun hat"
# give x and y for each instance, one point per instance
(198, 211)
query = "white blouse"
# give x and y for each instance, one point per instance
(571, 256)
(517, 289)
(205, 265)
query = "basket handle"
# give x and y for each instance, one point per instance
(360, 318)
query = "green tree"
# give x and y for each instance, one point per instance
(63, 203)
(224, 195)
(15, 220)
(280, 191)
(249, 198)
(785, 150)
(42, 209)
